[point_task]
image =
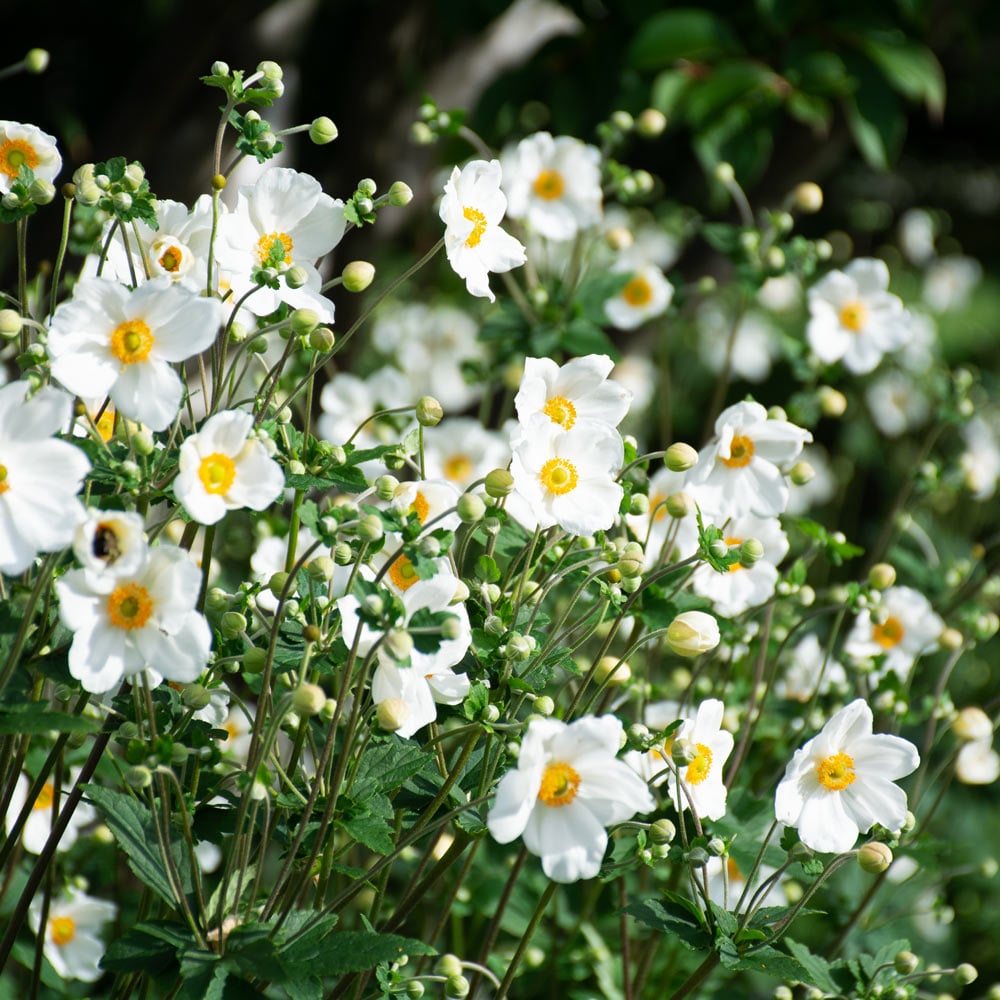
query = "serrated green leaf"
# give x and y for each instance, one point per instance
(673, 916)
(35, 718)
(817, 968)
(386, 766)
(358, 951)
(203, 976)
(773, 962)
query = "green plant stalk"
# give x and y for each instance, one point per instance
(522, 946)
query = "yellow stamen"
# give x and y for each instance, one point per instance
(836, 772)
(733, 870)
(402, 573)
(559, 476)
(266, 245)
(106, 425)
(733, 567)
(560, 411)
(853, 315)
(17, 153)
(740, 452)
(171, 259)
(890, 633)
(130, 606)
(420, 507)
(458, 468)
(45, 797)
(637, 292)
(549, 184)
(132, 341)
(62, 929)
(4, 485)
(698, 770)
(217, 472)
(478, 221)
(559, 784)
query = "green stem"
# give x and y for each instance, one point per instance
(526, 937)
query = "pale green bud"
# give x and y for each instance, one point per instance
(343, 554)
(429, 411)
(421, 133)
(782, 992)
(544, 705)
(400, 194)
(270, 70)
(195, 696)
(451, 628)
(951, 638)
(692, 633)
(499, 483)
(276, 584)
(399, 643)
(680, 457)
(322, 339)
(881, 576)
(724, 173)
(807, 197)
(232, 624)
(751, 551)
(429, 547)
(138, 777)
(254, 660)
(650, 123)
(494, 625)
(471, 508)
(216, 600)
(414, 989)
(683, 752)
(638, 503)
(448, 965)
(122, 201)
(10, 323)
(321, 569)
(717, 847)
(41, 191)
(220, 68)
(679, 505)
(386, 487)
(322, 130)
(296, 276)
(612, 670)
(36, 61)
(801, 473)
(966, 974)
(874, 857)
(905, 962)
(622, 121)
(391, 714)
(662, 832)
(832, 402)
(698, 857)
(358, 275)
(308, 700)
(370, 528)
(373, 604)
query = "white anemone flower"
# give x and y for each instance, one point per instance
(39, 475)
(576, 393)
(110, 542)
(646, 295)
(109, 341)
(980, 461)
(567, 477)
(554, 184)
(810, 672)
(739, 471)
(567, 788)
(461, 451)
(420, 689)
(38, 825)
(854, 318)
(897, 403)
(471, 210)
(904, 627)
(841, 783)
(701, 782)
(284, 220)
(26, 146)
(223, 469)
(433, 501)
(148, 620)
(73, 932)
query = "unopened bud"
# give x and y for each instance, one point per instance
(874, 857)
(36, 61)
(698, 857)
(544, 705)
(973, 724)
(683, 752)
(612, 670)
(122, 201)
(400, 194)
(808, 197)
(276, 584)
(41, 191)
(966, 974)
(399, 644)
(881, 576)
(386, 487)
(801, 473)
(724, 173)
(457, 987)
(679, 505)
(322, 339)
(905, 962)
(498, 483)
(296, 276)
(391, 714)
(650, 123)
(358, 275)
(692, 633)
(322, 130)
(308, 700)
(195, 696)
(471, 508)
(832, 402)
(138, 777)
(951, 638)
(429, 411)
(370, 528)
(751, 551)
(232, 624)
(10, 323)
(662, 832)
(254, 660)
(448, 965)
(680, 457)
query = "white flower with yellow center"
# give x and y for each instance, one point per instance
(433, 501)
(110, 542)
(283, 220)
(902, 628)
(460, 451)
(222, 469)
(73, 930)
(571, 395)
(854, 318)
(647, 294)
(567, 477)
(739, 471)
(840, 783)
(38, 826)
(811, 671)
(126, 624)
(108, 341)
(26, 146)
(701, 781)
(471, 210)
(567, 788)
(39, 475)
(554, 184)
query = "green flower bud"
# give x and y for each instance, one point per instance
(218, 182)
(662, 832)
(138, 777)
(270, 69)
(951, 639)
(451, 628)
(724, 173)
(308, 700)
(429, 411)
(471, 508)
(391, 714)
(399, 644)
(807, 197)
(36, 61)
(216, 601)
(122, 201)
(782, 992)
(692, 633)
(321, 569)
(650, 123)
(414, 989)
(680, 457)
(277, 583)
(134, 175)
(322, 339)
(966, 974)
(220, 68)
(874, 857)
(697, 857)
(544, 705)
(457, 987)
(881, 576)
(638, 503)
(801, 473)
(370, 528)
(429, 547)
(373, 605)
(622, 121)
(41, 191)
(296, 276)
(421, 133)
(311, 633)
(717, 847)
(358, 275)
(233, 624)
(322, 130)
(195, 696)
(295, 467)
(832, 402)
(905, 962)
(400, 194)
(612, 670)
(385, 487)
(254, 660)
(683, 752)
(448, 965)
(10, 323)
(751, 551)
(343, 554)
(499, 483)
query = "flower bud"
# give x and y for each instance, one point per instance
(612, 670)
(679, 505)
(41, 191)
(638, 503)
(519, 647)
(692, 633)
(276, 584)
(650, 123)
(414, 989)
(905, 962)
(808, 197)
(471, 508)
(400, 194)
(195, 696)
(494, 625)
(973, 724)
(370, 528)
(832, 402)
(10, 323)
(881, 576)
(270, 70)
(782, 992)
(451, 628)
(662, 832)
(429, 411)
(448, 965)
(322, 130)
(457, 987)
(218, 182)
(391, 714)
(951, 638)
(697, 857)
(36, 61)
(683, 752)
(322, 339)
(801, 473)
(386, 487)
(717, 847)
(358, 275)
(138, 777)
(966, 974)
(296, 276)
(874, 857)
(232, 624)
(373, 605)
(544, 705)
(751, 551)
(724, 173)
(399, 644)
(308, 700)
(680, 457)
(499, 483)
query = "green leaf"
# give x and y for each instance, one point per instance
(35, 718)
(773, 962)
(386, 766)
(685, 33)
(674, 915)
(874, 116)
(476, 701)
(582, 336)
(147, 946)
(358, 951)
(375, 832)
(817, 968)
(912, 69)
(594, 292)
(487, 569)
(204, 976)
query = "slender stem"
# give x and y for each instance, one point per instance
(526, 937)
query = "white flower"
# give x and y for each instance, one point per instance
(460, 450)
(471, 210)
(980, 462)
(949, 282)
(39, 475)
(26, 146)
(810, 672)
(908, 628)
(38, 825)
(567, 477)
(702, 786)
(567, 788)
(554, 184)
(755, 344)
(977, 763)
(647, 294)
(108, 341)
(284, 220)
(840, 783)
(110, 542)
(739, 471)
(73, 931)
(897, 403)
(433, 501)
(144, 621)
(853, 318)
(578, 392)
(221, 469)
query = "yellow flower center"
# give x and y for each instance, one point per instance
(171, 259)
(402, 573)
(549, 184)
(45, 797)
(420, 507)
(658, 505)
(268, 247)
(836, 772)
(17, 153)
(733, 567)
(132, 341)
(4, 485)
(890, 633)
(637, 292)
(740, 452)
(458, 468)
(698, 770)
(559, 476)
(560, 411)
(105, 424)
(733, 870)
(853, 316)
(130, 606)
(217, 472)
(559, 784)
(62, 929)
(478, 221)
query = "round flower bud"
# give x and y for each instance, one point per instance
(494, 625)
(220, 68)
(138, 777)
(650, 123)
(295, 467)
(491, 592)
(370, 528)
(311, 633)
(519, 647)
(808, 197)
(448, 965)
(365, 206)
(308, 700)
(399, 643)
(692, 633)
(801, 473)
(276, 584)
(122, 201)
(414, 989)
(322, 339)
(638, 503)
(698, 857)
(321, 569)
(233, 624)
(41, 191)
(457, 987)
(905, 962)
(951, 638)
(966, 974)
(10, 323)
(782, 992)
(499, 483)
(386, 487)
(270, 70)
(195, 696)
(973, 724)
(874, 857)
(451, 628)
(832, 402)
(373, 605)
(429, 547)
(322, 130)
(612, 670)
(751, 551)
(679, 505)
(296, 276)
(471, 508)
(680, 457)
(881, 576)
(724, 173)
(662, 832)
(254, 660)
(343, 554)
(134, 175)
(429, 411)
(544, 705)
(218, 182)
(421, 133)
(717, 847)
(36, 61)
(391, 714)
(358, 275)
(400, 194)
